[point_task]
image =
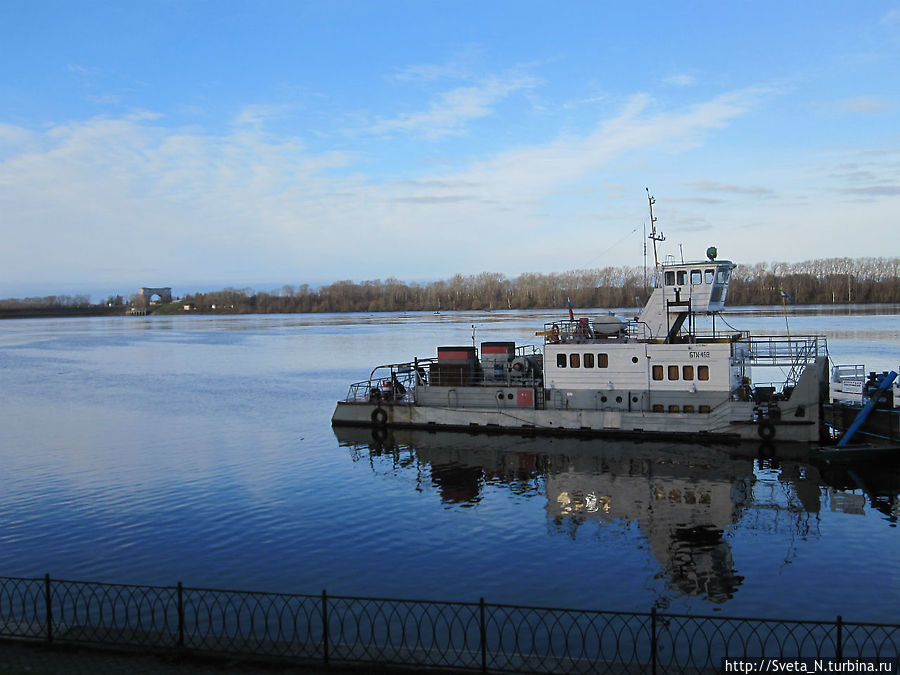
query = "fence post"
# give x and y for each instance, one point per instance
(180, 615)
(840, 638)
(653, 640)
(48, 603)
(483, 635)
(324, 626)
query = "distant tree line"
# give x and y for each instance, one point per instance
(825, 281)
(60, 305)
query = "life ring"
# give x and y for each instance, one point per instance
(766, 430)
(379, 417)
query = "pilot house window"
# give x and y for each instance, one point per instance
(670, 278)
(696, 277)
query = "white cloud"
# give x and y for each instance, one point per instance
(680, 80)
(133, 191)
(891, 17)
(865, 104)
(460, 67)
(453, 109)
(715, 186)
(136, 198)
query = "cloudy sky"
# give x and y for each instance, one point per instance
(202, 144)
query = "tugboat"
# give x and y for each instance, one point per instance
(676, 371)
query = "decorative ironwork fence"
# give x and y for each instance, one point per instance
(477, 636)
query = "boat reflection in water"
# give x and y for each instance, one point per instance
(689, 502)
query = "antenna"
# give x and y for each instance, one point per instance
(654, 236)
(644, 240)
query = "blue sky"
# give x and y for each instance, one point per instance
(203, 144)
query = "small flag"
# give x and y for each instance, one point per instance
(571, 313)
(787, 296)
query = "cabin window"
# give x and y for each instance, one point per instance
(682, 277)
(704, 409)
(560, 360)
(687, 372)
(657, 372)
(575, 360)
(670, 278)
(658, 407)
(673, 408)
(673, 372)
(708, 276)
(688, 409)
(588, 360)
(603, 360)
(702, 372)
(696, 277)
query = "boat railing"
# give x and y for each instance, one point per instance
(583, 330)
(394, 382)
(612, 329)
(855, 373)
(397, 382)
(786, 351)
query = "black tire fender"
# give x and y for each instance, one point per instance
(379, 417)
(766, 430)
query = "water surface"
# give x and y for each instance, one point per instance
(199, 448)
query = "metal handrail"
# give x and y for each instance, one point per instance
(465, 635)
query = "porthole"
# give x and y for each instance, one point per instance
(634, 359)
(500, 396)
(509, 396)
(603, 399)
(618, 399)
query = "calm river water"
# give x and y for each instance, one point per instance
(199, 448)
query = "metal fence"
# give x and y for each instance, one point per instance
(477, 636)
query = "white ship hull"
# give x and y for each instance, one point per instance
(800, 416)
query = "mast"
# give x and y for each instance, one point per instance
(654, 236)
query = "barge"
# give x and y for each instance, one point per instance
(677, 370)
